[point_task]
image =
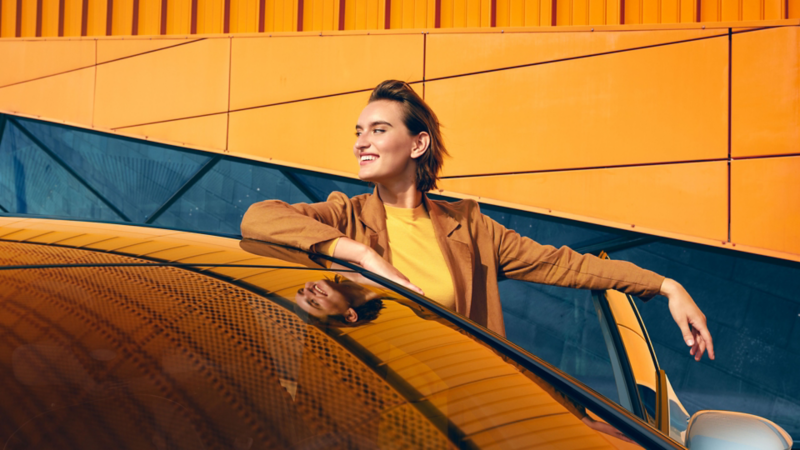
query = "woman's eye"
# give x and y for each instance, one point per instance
(358, 133)
(379, 130)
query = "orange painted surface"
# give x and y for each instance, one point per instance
(73, 17)
(66, 97)
(313, 66)
(324, 15)
(97, 18)
(50, 18)
(765, 203)
(36, 59)
(149, 17)
(29, 11)
(111, 49)
(454, 54)
(244, 16)
(208, 132)
(122, 19)
(179, 18)
(210, 16)
(689, 198)
(8, 19)
(150, 88)
(314, 133)
(766, 86)
(555, 116)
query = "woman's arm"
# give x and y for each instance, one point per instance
(305, 226)
(524, 259)
(301, 225)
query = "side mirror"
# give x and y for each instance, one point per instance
(717, 430)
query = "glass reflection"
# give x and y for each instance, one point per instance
(339, 301)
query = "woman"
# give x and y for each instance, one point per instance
(448, 251)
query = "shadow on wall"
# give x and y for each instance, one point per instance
(751, 302)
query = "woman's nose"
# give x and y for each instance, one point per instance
(362, 142)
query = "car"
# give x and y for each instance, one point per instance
(117, 336)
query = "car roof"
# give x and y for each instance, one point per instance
(409, 374)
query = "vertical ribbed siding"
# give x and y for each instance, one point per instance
(69, 18)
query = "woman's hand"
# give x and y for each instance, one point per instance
(358, 253)
(689, 318)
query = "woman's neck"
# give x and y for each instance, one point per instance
(400, 196)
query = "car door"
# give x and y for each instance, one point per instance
(643, 387)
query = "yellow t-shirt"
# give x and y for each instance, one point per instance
(416, 253)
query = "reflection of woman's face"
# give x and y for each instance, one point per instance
(325, 298)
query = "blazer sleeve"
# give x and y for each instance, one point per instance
(522, 258)
(301, 225)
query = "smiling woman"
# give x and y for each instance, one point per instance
(449, 251)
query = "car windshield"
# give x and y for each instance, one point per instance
(106, 350)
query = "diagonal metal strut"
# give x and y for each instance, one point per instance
(69, 169)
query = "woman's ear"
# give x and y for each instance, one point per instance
(421, 144)
(351, 315)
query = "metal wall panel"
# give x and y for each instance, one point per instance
(206, 132)
(49, 18)
(210, 16)
(67, 97)
(96, 18)
(149, 19)
(73, 16)
(313, 66)
(765, 203)
(179, 16)
(144, 17)
(112, 49)
(8, 19)
(122, 18)
(313, 133)
(554, 116)
(649, 196)
(35, 59)
(766, 82)
(146, 89)
(462, 53)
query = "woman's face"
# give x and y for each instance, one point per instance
(325, 298)
(384, 147)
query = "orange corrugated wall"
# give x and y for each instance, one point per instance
(49, 18)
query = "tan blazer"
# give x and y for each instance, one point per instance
(478, 250)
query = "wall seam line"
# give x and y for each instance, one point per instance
(576, 169)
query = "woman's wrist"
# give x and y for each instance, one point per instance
(669, 287)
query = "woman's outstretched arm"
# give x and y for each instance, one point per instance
(524, 259)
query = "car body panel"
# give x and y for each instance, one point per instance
(221, 344)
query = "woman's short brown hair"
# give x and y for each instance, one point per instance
(418, 117)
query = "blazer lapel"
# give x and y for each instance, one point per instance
(373, 217)
(454, 243)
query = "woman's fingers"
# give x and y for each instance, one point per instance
(689, 318)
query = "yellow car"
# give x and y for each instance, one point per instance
(132, 337)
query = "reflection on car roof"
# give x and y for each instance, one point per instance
(217, 355)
